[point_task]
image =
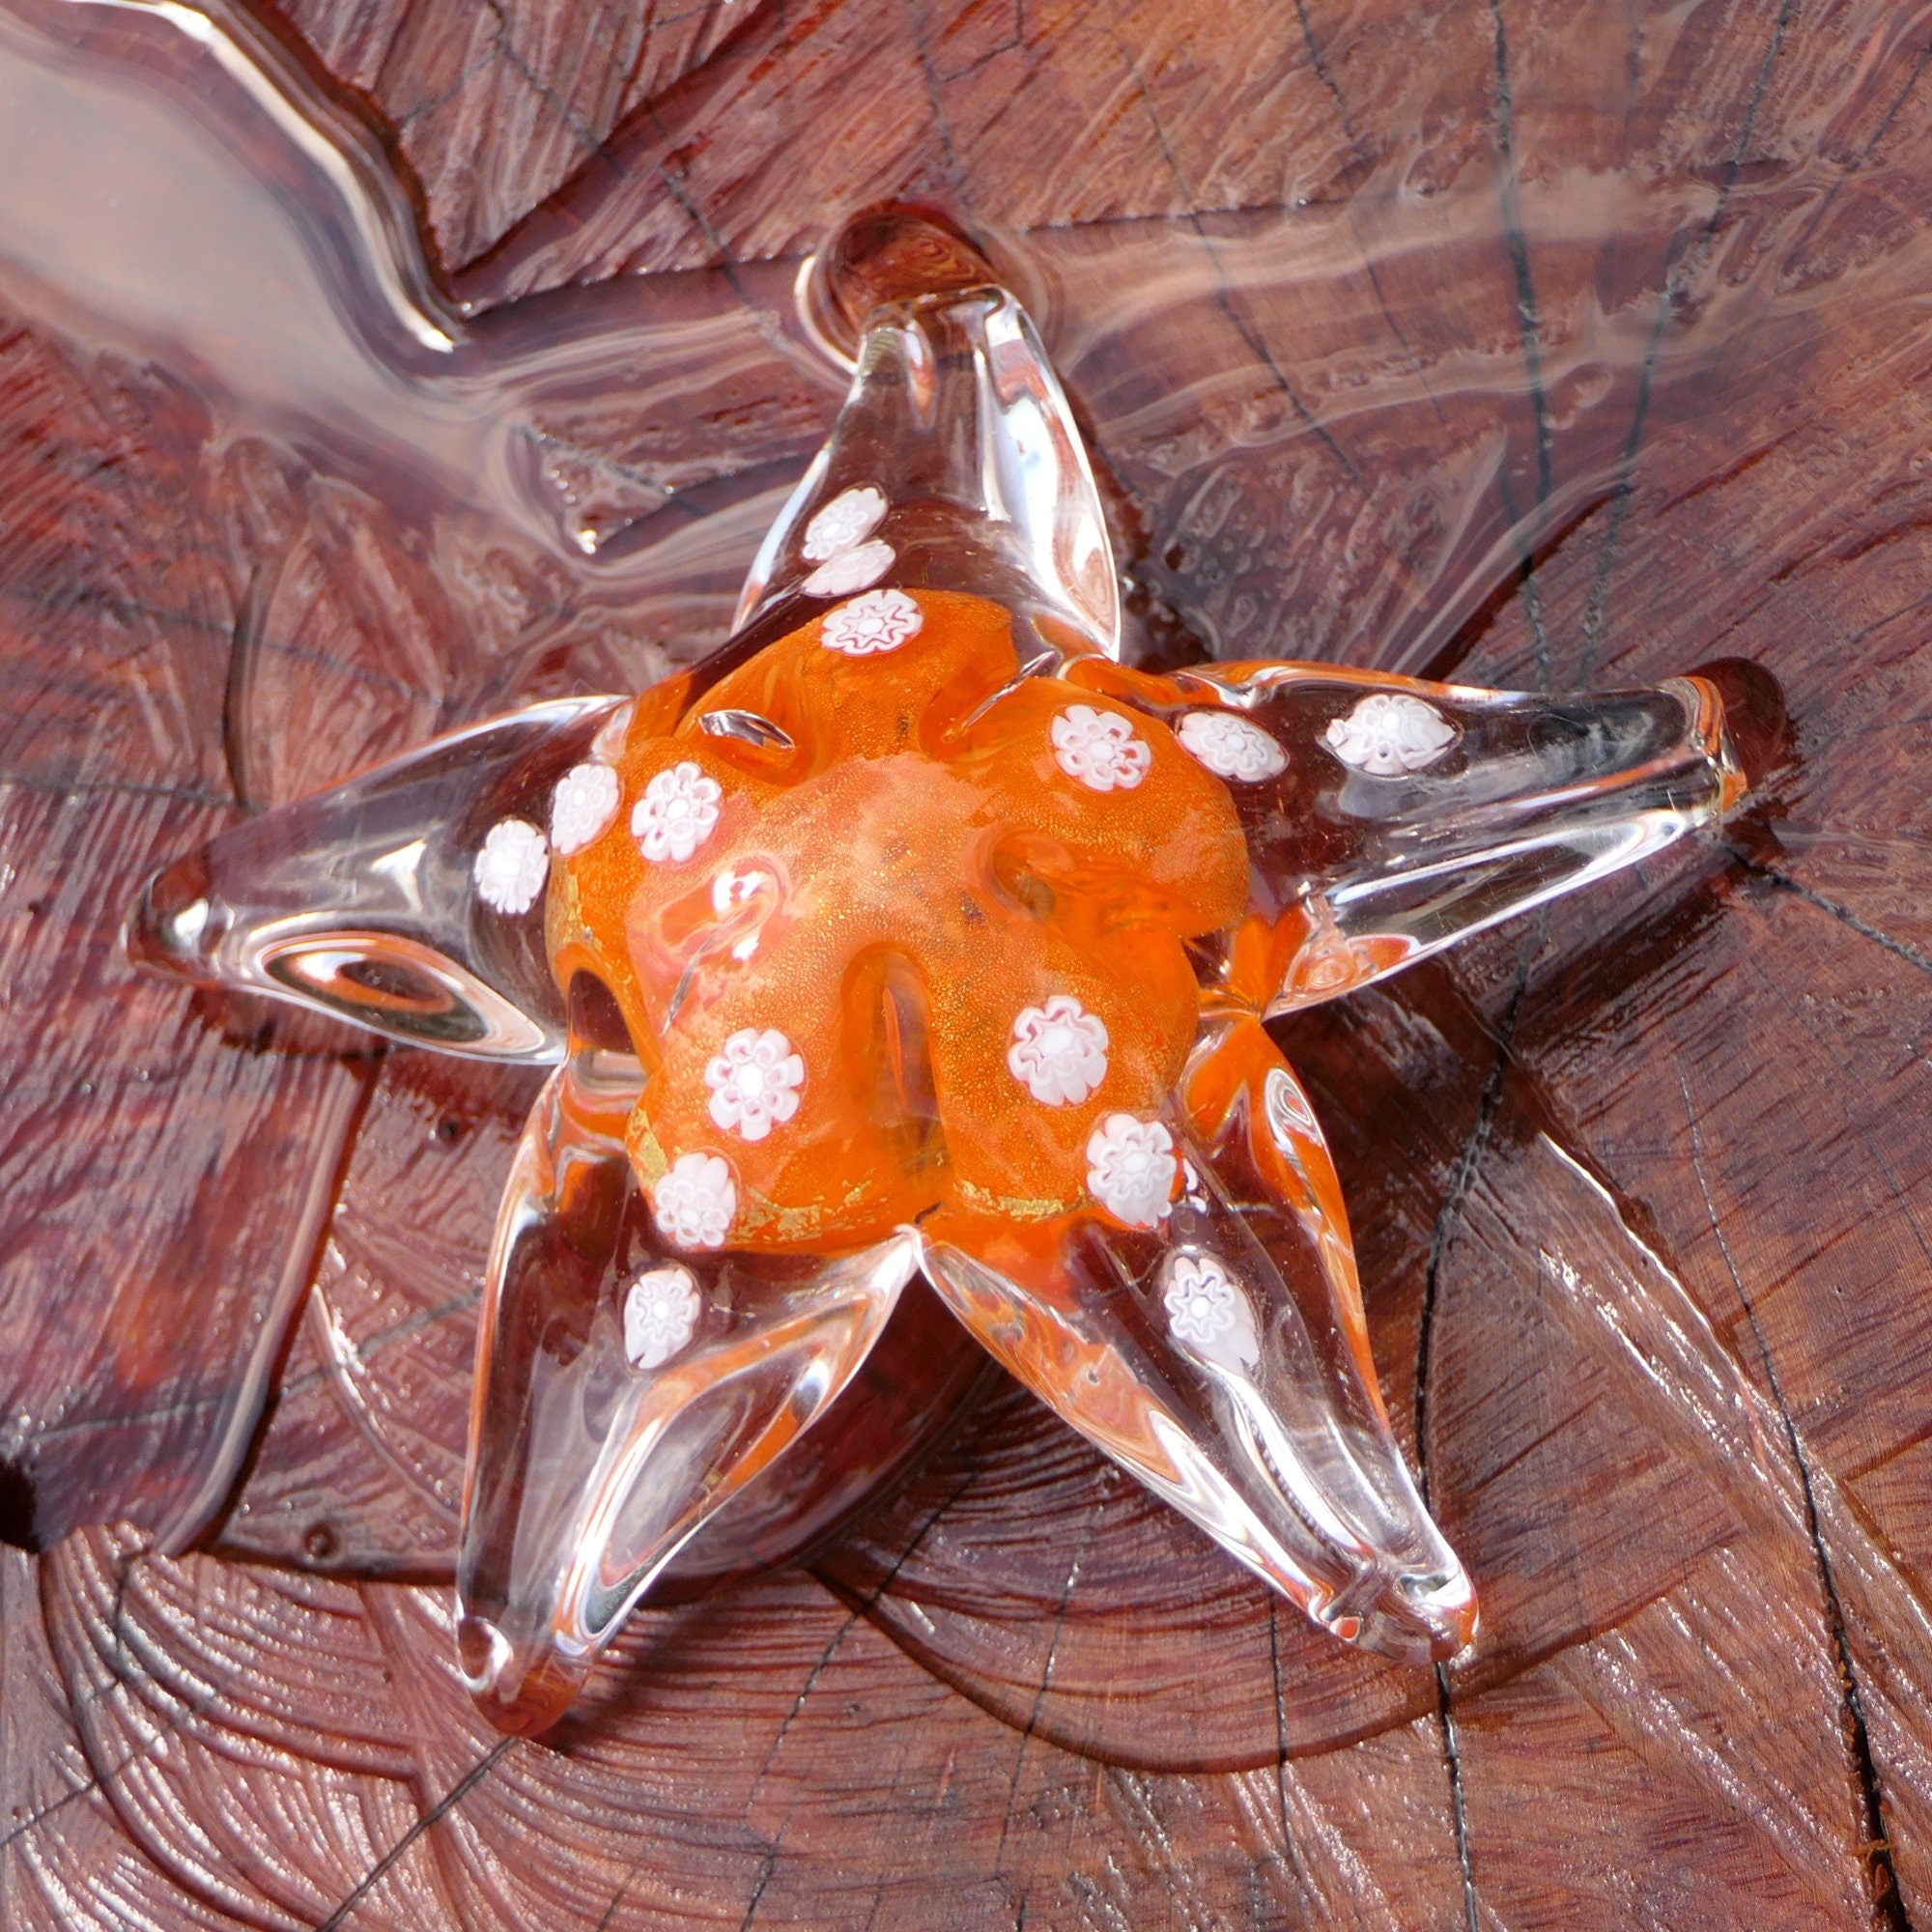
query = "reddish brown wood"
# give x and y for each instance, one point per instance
(1349, 296)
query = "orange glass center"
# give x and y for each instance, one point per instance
(891, 927)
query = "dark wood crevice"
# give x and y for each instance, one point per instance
(1888, 1911)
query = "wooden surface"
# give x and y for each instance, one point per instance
(1542, 345)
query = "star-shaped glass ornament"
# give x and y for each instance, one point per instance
(914, 932)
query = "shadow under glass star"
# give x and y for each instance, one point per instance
(912, 931)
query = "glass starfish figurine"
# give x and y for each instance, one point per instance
(912, 930)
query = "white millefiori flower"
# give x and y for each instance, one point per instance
(1059, 1051)
(1390, 733)
(1202, 1301)
(1231, 747)
(881, 621)
(1100, 749)
(693, 1204)
(511, 865)
(583, 803)
(660, 1310)
(854, 569)
(1130, 1169)
(755, 1082)
(850, 518)
(678, 811)
(1207, 1311)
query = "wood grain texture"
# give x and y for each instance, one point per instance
(1538, 345)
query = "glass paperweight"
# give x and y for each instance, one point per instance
(914, 933)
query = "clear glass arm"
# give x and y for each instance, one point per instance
(1223, 1359)
(1387, 817)
(625, 1392)
(954, 465)
(409, 901)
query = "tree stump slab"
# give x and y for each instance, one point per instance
(1511, 342)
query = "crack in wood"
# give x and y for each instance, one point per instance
(956, 173)
(1039, 1701)
(1452, 1759)
(765, 1878)
(1516, 241)
(1888, 1912)
(1783, 882)
(1224, 286)
(127, 1676)
(1461, 1179)
(437, 1812)
(1595, 610)
(1529, 324)
(863, 1610)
